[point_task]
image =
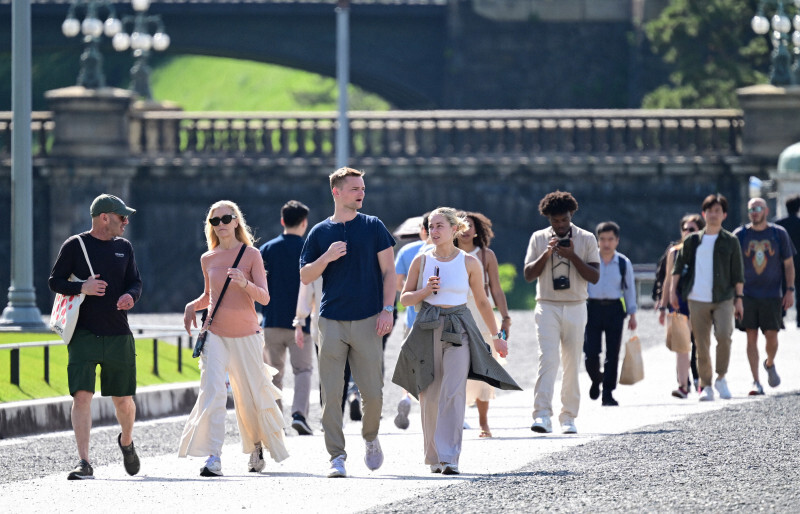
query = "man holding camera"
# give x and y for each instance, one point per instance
(565, 258)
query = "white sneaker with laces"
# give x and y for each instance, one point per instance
(542, 425)
(212, 467)
(707, 394)
(568, 427)
(256, 463)
(721, 385)
(337, 467)
(374, 456)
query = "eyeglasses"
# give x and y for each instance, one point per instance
(225, 219)
(689, 229)
(757, 208)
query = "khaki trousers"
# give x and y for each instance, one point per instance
(442, 402)
(559, 326)
(702, 315)
(359, 342)
(276, 343)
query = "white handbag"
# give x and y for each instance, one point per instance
(66, 308)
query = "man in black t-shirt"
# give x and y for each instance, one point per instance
(792, 225)
(102, 335)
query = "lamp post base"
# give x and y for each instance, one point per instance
(21, 312)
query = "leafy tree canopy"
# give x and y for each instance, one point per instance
(711, 50)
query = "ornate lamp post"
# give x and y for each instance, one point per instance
(782, 72)
(147, 33)
(92, 27)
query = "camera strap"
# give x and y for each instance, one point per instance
(561, 262)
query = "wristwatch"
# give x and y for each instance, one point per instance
(790, 288)
(388, 308)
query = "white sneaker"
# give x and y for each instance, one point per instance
(403, 408)
(568, 427)
(337, 467)
(707, 394)
(256, 463)
(542, 425)
(721, 385)
(374, 456)
(436, 468)
(212, 467)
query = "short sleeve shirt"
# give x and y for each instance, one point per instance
(764, 252)
(586, 249)
(352, 286)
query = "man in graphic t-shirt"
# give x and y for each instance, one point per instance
(768, 258)
(713, 288)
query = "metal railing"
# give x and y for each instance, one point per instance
(165, 333)
(442, 134)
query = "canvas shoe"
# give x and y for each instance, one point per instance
(680, 392)
(450, 469)
(212, 467)
(568, 427)
(129, 458)
(403, 408)
(707, 394)
(374, 456)
(83, 471)
(436, 468)
(337, 467)
(757, 390)
(299, 424)
(542, 425)
(773, 379)
(256, 463)
(721, 385)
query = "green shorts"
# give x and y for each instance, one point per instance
(116, 356)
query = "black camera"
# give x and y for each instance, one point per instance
(560, 283)
(563, 242)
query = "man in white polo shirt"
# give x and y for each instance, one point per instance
(565, 258)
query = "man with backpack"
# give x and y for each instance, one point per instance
(768, 259)
(611, 300)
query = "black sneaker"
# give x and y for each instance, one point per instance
(83, 471)
(129, 457)
(299, 424)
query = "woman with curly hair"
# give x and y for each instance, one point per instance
(234, 346)
(475, 241)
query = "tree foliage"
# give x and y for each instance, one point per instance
(711, 51)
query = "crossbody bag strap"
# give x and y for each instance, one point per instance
(225, 287)
(86, 255)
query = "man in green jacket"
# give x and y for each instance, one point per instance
(711, 259)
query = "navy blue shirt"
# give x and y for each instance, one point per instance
(352, 286)
(281, 256)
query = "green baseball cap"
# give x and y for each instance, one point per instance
(110, 203)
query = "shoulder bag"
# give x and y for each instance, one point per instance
(201, 338)
(66, 308)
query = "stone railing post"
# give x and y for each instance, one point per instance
(770, 120)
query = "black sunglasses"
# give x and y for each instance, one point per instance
(225, 219)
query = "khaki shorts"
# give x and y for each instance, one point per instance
(116, 356)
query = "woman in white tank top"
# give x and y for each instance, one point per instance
(475, 241)
(448, 276)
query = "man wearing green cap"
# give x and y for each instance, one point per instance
(102, 335)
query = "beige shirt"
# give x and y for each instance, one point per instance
(585, 248)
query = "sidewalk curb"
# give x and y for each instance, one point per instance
(53, 414)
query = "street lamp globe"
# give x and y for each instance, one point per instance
(112, 27)
(781, 23)
(140, 5)
(160, 41)
(92, 27)
(121, 42)
(141, 41)
(71, 27)
(759, 24)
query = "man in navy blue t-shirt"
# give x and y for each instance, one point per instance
(768, 259)
(280, 261)
(353, 254)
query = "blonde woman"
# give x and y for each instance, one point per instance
(445, 344)
(475, 241)
(233, 346)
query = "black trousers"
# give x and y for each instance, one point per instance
(603, 317)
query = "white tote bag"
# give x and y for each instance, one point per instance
(64, 316)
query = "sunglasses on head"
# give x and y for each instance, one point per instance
(757, 208)
(224, 219)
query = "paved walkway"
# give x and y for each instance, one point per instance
(299, 483)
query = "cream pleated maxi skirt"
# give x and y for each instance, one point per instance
(254, 398)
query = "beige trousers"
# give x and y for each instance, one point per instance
(702, 316)
(442, 402)
(277, 341)
(359, 342)
(559, 326)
